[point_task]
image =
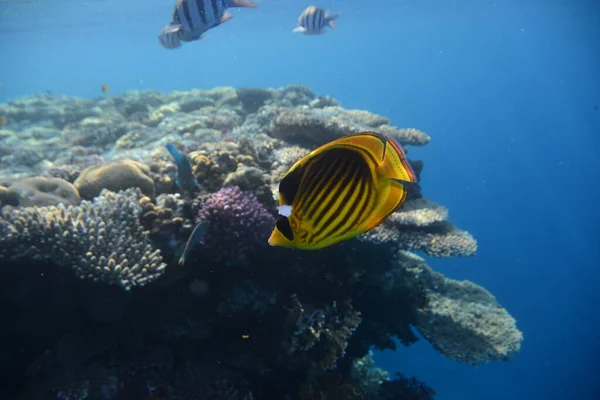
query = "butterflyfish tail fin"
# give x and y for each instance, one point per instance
(413, 189)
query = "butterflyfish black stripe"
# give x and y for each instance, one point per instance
(327, 164)
(362, 214)
(348, 214)
(321, 169)
(314, 170)
(354, 161)
(308, 180)
(324, 188)
(337, 207)
(351, 204)
(332, 204)
(330, 182)
(353, 212)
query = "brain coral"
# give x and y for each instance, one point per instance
(41, 191)
(115, 176)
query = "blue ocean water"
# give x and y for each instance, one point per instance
(509, 91)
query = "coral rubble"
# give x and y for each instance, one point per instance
(88, 191)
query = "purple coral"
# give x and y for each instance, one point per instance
(239, 225)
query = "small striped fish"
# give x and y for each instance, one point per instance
(341, 190)
(192, 18)
(313, 20)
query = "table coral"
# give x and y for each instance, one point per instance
(462, 320)
(310, 127)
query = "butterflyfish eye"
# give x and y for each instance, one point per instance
(283, 224)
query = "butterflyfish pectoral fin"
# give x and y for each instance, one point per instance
(226, 17)
(242, 3)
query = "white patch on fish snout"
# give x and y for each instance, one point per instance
(286, 211)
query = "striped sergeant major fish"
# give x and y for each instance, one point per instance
(313, 20)
(341, 190)
(192, 18)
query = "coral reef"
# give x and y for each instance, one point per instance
(462, 320)
(41, 191)
(317, 126)
(236, 217)
(101, 240)
(114, 176)
(240, 319)
(8, 197)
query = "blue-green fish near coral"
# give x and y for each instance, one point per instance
(197, 235)
(185, 179)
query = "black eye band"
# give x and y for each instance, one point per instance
(283, 224)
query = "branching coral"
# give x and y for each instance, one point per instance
(101, 240)
(239, 226)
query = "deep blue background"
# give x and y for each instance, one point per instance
(509, 91)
